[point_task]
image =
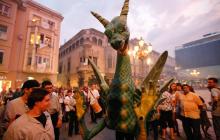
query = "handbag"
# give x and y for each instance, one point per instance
(95, 105)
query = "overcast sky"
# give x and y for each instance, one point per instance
(164, 23)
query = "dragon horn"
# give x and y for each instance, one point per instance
(124, 11)
(101, 19)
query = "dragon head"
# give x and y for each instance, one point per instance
(117, 30)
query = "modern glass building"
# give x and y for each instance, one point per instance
(199, 59)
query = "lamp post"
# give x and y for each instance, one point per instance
(195, 73)
(141, 52)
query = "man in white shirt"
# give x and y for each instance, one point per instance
(215, 96)
(94, 96)
(70, 109)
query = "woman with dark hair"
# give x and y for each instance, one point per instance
(172, 90)
(36, 123)
(166, 114)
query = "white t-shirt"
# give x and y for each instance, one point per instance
(55, 94)
(61, 99)
(215, 93)
(93, 95)
(69, 102)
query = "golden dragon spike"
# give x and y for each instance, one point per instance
(124, 11)
(101, 19)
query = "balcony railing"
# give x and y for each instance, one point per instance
(39, 68)
(83, 67)
(41, 25)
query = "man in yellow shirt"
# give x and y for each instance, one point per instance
(190, 112)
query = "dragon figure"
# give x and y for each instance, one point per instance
(128, 107)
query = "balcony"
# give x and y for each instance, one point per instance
(39, 68)
(42, 25)
(84, 68)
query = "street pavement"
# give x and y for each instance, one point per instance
(108, 134)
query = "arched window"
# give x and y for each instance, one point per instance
(77, 43)
(73, 46)
(81, 41)
(94, 40)
(100, 42)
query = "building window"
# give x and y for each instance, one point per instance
(68, 65)
(39, 60)
(51, 24)
(3, 32)
(41, 38)
(70, 48)
(4, 9)
(29, 61)
(77, 43)
(94, 40)
(60, 67)
(48, 41)
(37, 39)
(47, 24)
(81, 41)
(45, 60)
(73, 46)
(1, 57)
(36, 19)
(95, 60)
(100, 42)
(110, 61)
(82, 59)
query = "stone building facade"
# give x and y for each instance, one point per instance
(75, 71)
(29, 42)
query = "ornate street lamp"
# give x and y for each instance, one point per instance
(195, 73)
(141, 51)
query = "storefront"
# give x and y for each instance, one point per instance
(4, 83)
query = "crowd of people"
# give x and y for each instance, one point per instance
(182, 103)
(38, 111)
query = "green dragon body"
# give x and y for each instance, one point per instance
(127, 110)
